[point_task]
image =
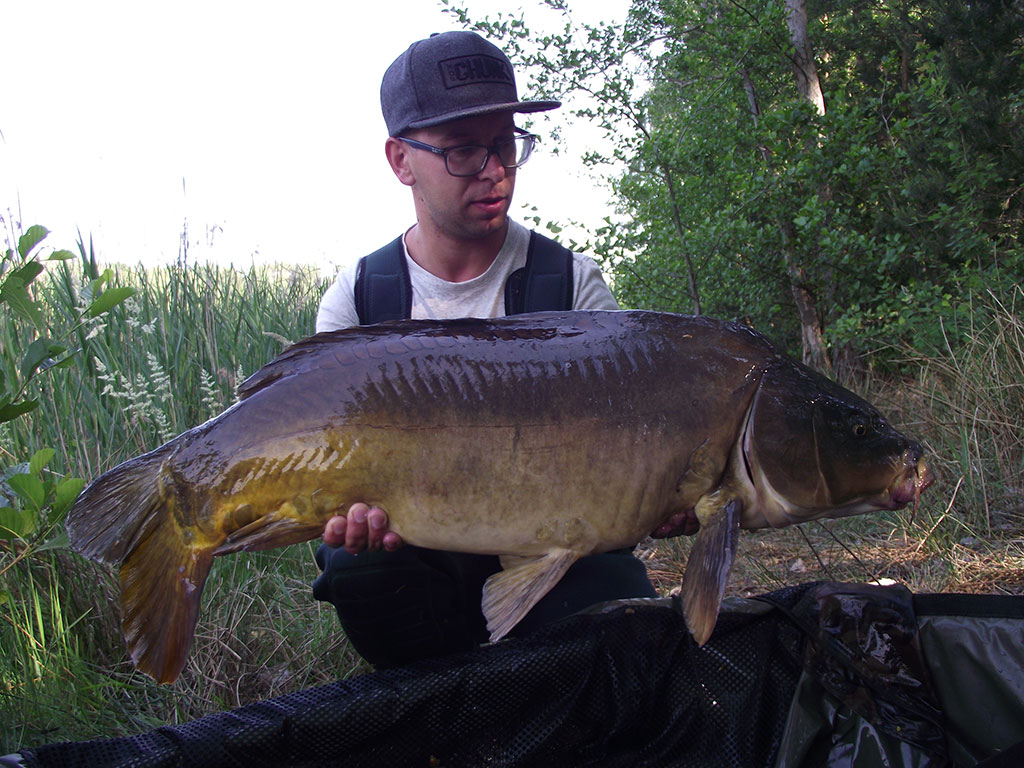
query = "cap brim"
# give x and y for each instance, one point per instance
(487, 109)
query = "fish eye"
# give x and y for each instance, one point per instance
(859, 429)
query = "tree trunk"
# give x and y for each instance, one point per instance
(813, 342)
(809, 87)
(803, 57)
(755, 107)
(691, 272)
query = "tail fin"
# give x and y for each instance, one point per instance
(161, 585)
(119, 509)
(125, 517)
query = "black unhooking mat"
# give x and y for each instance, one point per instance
(822, 674)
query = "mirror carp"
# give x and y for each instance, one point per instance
(540, 438)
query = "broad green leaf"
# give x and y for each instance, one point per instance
(14, 410)
(14, 293)
(29, 489)
(59, 540)
(60, 256)
(28, 272)
(66, 493)
(66, 362)
(40, 460)
(109, 299)
(96, 285)
(56, 350)
(30, 239)
(35, 355)
(15, 523)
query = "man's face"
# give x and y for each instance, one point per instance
(472, 207)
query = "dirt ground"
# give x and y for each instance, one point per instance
(837, 551)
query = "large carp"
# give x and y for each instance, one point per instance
(540, 438)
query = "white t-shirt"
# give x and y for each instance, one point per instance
(483, 296)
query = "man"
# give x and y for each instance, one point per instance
(449, 103)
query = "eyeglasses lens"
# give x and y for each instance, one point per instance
(469, 161)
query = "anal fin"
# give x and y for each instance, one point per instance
(707, 569)
(276, 529)
(511, 593)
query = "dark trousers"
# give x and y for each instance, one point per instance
(397, 607)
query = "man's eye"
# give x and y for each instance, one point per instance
(463, 153)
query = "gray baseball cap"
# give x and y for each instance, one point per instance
(447, 77)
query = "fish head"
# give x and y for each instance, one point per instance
(813, 449)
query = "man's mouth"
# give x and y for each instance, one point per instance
(489, 204)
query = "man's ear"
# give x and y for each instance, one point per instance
(398, 157)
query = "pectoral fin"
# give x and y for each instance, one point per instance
(710, 560)
(511, 593)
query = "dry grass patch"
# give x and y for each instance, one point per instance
(837, 551)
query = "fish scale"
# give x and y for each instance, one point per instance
(541, 438)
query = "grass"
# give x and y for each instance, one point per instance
(171, 359)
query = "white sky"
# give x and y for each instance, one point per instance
(269, 111)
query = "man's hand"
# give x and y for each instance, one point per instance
(363, 529)
(680, 524)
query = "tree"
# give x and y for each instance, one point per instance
(837, 229)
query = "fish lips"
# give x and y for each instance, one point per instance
(910, 484)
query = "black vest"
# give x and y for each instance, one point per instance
(383, 290)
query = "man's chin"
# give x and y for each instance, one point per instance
(489, 227)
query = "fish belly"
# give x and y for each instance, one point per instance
(517, 489)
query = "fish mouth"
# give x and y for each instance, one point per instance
(911, 482)
(912, 479)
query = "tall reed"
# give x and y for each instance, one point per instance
(171, 357)
(966, 399)
(165, 361)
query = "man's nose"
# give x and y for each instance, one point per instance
(493, 169)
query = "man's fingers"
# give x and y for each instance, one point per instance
(334, 531)
(680, 524)
(361, 529)
(377, 521)
(357, 530)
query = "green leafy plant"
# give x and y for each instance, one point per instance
(34, 499)
(161, 361)
(38, 347)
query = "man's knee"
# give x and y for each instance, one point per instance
(396, 607)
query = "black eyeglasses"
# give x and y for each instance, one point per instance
(471, 159)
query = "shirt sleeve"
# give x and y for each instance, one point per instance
(338, 306)
(590, 291)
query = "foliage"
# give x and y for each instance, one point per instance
(969, 396)
(887, 211)
(35, 499)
